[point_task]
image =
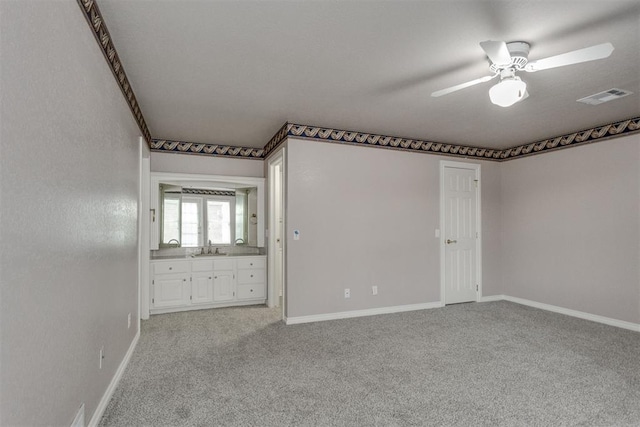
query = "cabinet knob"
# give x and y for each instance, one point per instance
(184, 280)
(252, 275)
(251, 290)
(250, 263)
(215, 277)
(209, 278)
(170, 268)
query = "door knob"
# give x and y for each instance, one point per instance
(451, 241)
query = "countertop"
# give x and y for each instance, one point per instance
(191, 257)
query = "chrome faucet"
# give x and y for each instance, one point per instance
(174, 242)
(209, 250)
(239, 240)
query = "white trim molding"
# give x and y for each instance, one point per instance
(106, 397)
(362, 313)
(491, 298)
(566, 311)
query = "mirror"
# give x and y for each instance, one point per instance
(194, 217)
(202, 210)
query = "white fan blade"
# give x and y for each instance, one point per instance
(592, 53)
(497, 52)
(462, 86)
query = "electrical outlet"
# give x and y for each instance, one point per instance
(129, 321)
(374, 290)
(101, 356)
(347, 293)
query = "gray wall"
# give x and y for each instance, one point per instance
(571, 228)
(69, 189)
(197, 164)
(367, 217)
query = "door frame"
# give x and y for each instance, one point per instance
(276, 159)
(469, 166)
(143, 231)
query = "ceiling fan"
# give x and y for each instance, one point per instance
(509, 58)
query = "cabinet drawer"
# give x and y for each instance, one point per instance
(251, 276)
(251, 291)
(223, 264)
(170, 267)
(203, 265)
(251, 262)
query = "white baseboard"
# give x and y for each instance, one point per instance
(491, 298)
(411, 307)
(361, 313)
(566, 311)
(102, 405)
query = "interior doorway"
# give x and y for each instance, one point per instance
(277, 281)
(460, 266)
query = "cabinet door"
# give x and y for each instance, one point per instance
(202, 287)
(170, 290)
(223, 286)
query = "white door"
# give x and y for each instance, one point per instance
(223, 289)
(170, 290)
(460, 232)
(201, 287)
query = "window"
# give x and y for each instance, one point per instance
(171, 219)
(192, 221)
(219, 221)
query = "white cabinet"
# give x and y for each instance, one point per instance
(171, 290)
(178, 285)
(201, 287)
(251, 278)
(170, 284)
(223, 289)
(201, 281)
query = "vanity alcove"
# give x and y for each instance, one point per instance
(207, 242)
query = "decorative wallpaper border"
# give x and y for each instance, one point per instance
(199, 191)
(99, 28)
(277, 139)
(101, 33)
(316, 133)
(595, 134)
(206, 149)
(389, 142)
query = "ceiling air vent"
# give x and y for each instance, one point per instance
(606, 96)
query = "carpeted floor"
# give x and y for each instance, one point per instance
(487, 364)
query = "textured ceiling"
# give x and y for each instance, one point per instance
(230, 72)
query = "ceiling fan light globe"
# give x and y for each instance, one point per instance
(508, 92)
